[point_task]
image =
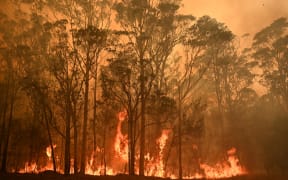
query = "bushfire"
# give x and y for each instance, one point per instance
(155, 165)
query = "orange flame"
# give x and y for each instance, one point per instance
(156, 166)
(34, 168)
(121, 141)
(229, 168)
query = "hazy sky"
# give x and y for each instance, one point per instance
(241, 16)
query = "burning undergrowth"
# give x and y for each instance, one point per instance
(156, 163)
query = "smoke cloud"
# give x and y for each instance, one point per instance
(241, 17)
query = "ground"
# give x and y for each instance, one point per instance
(53, 176)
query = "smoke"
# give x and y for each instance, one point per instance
(241, 17)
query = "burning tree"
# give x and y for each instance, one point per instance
(144, 92)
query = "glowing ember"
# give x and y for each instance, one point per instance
(49, 151)
(29, 168)
(121, 141)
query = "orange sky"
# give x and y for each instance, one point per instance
(241, 16)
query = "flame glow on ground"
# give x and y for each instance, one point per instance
(155, 165)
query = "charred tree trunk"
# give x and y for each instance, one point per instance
(104, 149)
(74, 120)
(36, 117)
(3, 118)
(67, 136)
(84, 132)
(50, 137)
(6, 141)
(95, 117)
(95, 107)
(143, 103)
(131, 145)
(180, 135)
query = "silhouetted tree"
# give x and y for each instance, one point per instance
(271, 52)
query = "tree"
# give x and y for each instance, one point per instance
(271, 52)
(89, 20)
(65, 71)
(32, 54)
(120, 84)
(153, 28)
(10, 84)
(195, 65)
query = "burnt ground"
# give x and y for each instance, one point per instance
(54, 176)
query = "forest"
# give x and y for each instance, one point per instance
(134, 87)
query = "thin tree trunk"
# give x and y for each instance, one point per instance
(95, 116)
(131, 147)
(67, 136)
(36, 115)
(95, 108)
(75, 140)
(104, 149)
(50, 139)
(3, 124)
(180, 136)
(143, 103)
(6, 143)
(84, 132)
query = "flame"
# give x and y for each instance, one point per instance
(29, 168)
(34, 168)
(229, 168)
(121, 141)
(156, 166)
(100, 169)
(155, 163)
(49, 151)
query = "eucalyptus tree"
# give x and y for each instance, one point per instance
(65, 73)
(153, 28)
(89, 21)
(271, 52)
(189, 73)
(120, 84)
(25, 45)
(219, 51)
(138, 17)
(10, 81)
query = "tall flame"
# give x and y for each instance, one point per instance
(155, 164)
(226, 169)
(121, 141)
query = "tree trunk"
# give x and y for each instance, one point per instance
(95, 108)
(95, 117)
(3, 118)
(84, 132)
(180, 136)
(104, 149)
(131, 147)
(142, 135)
(6, 141)
(50, 139)
(75, 140)
(36, 116)
(67, 136)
